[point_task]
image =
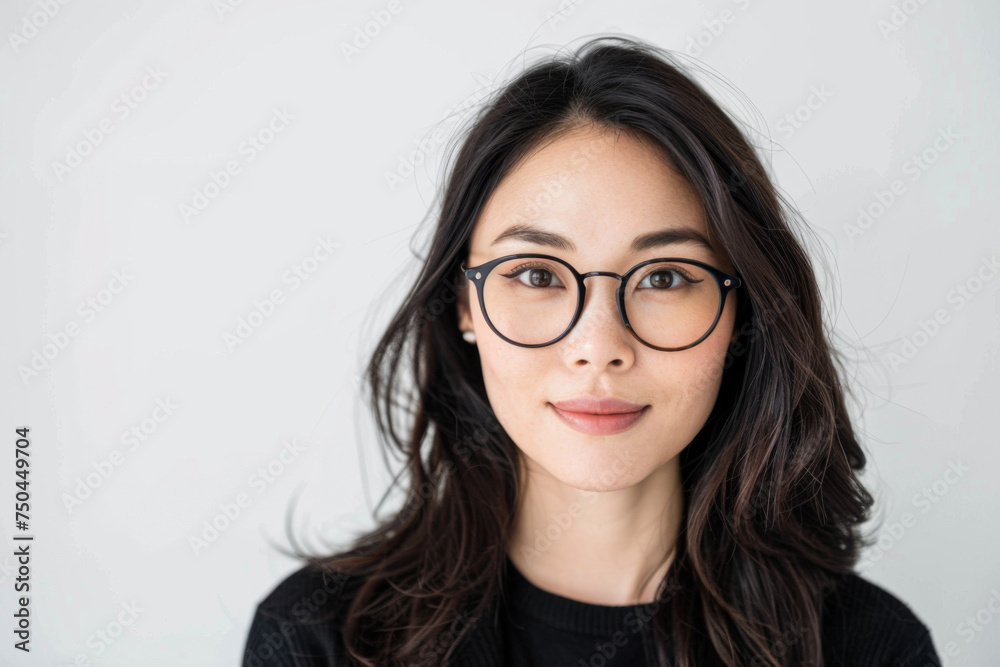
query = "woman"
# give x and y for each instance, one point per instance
(629, 443)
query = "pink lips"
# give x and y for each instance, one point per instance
(599, 416)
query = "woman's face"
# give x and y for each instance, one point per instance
(598, 193)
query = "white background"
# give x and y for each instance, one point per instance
(889, 89)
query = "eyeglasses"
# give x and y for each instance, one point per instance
(668, 303)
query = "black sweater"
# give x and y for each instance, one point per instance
(297, 624)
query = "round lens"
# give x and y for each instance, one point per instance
(671, 304)
(530, 300)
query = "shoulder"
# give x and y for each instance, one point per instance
(866, 624)
(310, 592)
(298, 622)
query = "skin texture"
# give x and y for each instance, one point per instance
(598, 514)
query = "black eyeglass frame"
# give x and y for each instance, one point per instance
(724, 281)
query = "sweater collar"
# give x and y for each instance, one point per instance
(484, 647)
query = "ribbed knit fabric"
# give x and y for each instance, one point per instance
(298, 625)
(544, 629)
(298, 622)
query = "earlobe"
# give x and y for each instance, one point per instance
(465, 322)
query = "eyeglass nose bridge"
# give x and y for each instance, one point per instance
(610, 274)
(622, 316)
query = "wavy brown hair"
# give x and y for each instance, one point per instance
(773, 499)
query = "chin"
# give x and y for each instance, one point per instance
(604, 471)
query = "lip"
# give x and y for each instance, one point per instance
(598, 406)
(599, 416)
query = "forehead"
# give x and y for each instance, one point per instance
(592, 192)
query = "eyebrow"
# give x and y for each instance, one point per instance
(656, 239)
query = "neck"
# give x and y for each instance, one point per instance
(601, 547)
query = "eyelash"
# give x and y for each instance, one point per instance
(536, 265)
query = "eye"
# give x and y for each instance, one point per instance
(538, 276)
(665, 279)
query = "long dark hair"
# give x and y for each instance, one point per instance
(773, 500)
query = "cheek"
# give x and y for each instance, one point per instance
(510, 374)
(699, 373)
(515, 393)
(697, 386)
(512, 380)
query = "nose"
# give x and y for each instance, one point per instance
(599, 336)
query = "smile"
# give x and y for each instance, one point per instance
(592, 424)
